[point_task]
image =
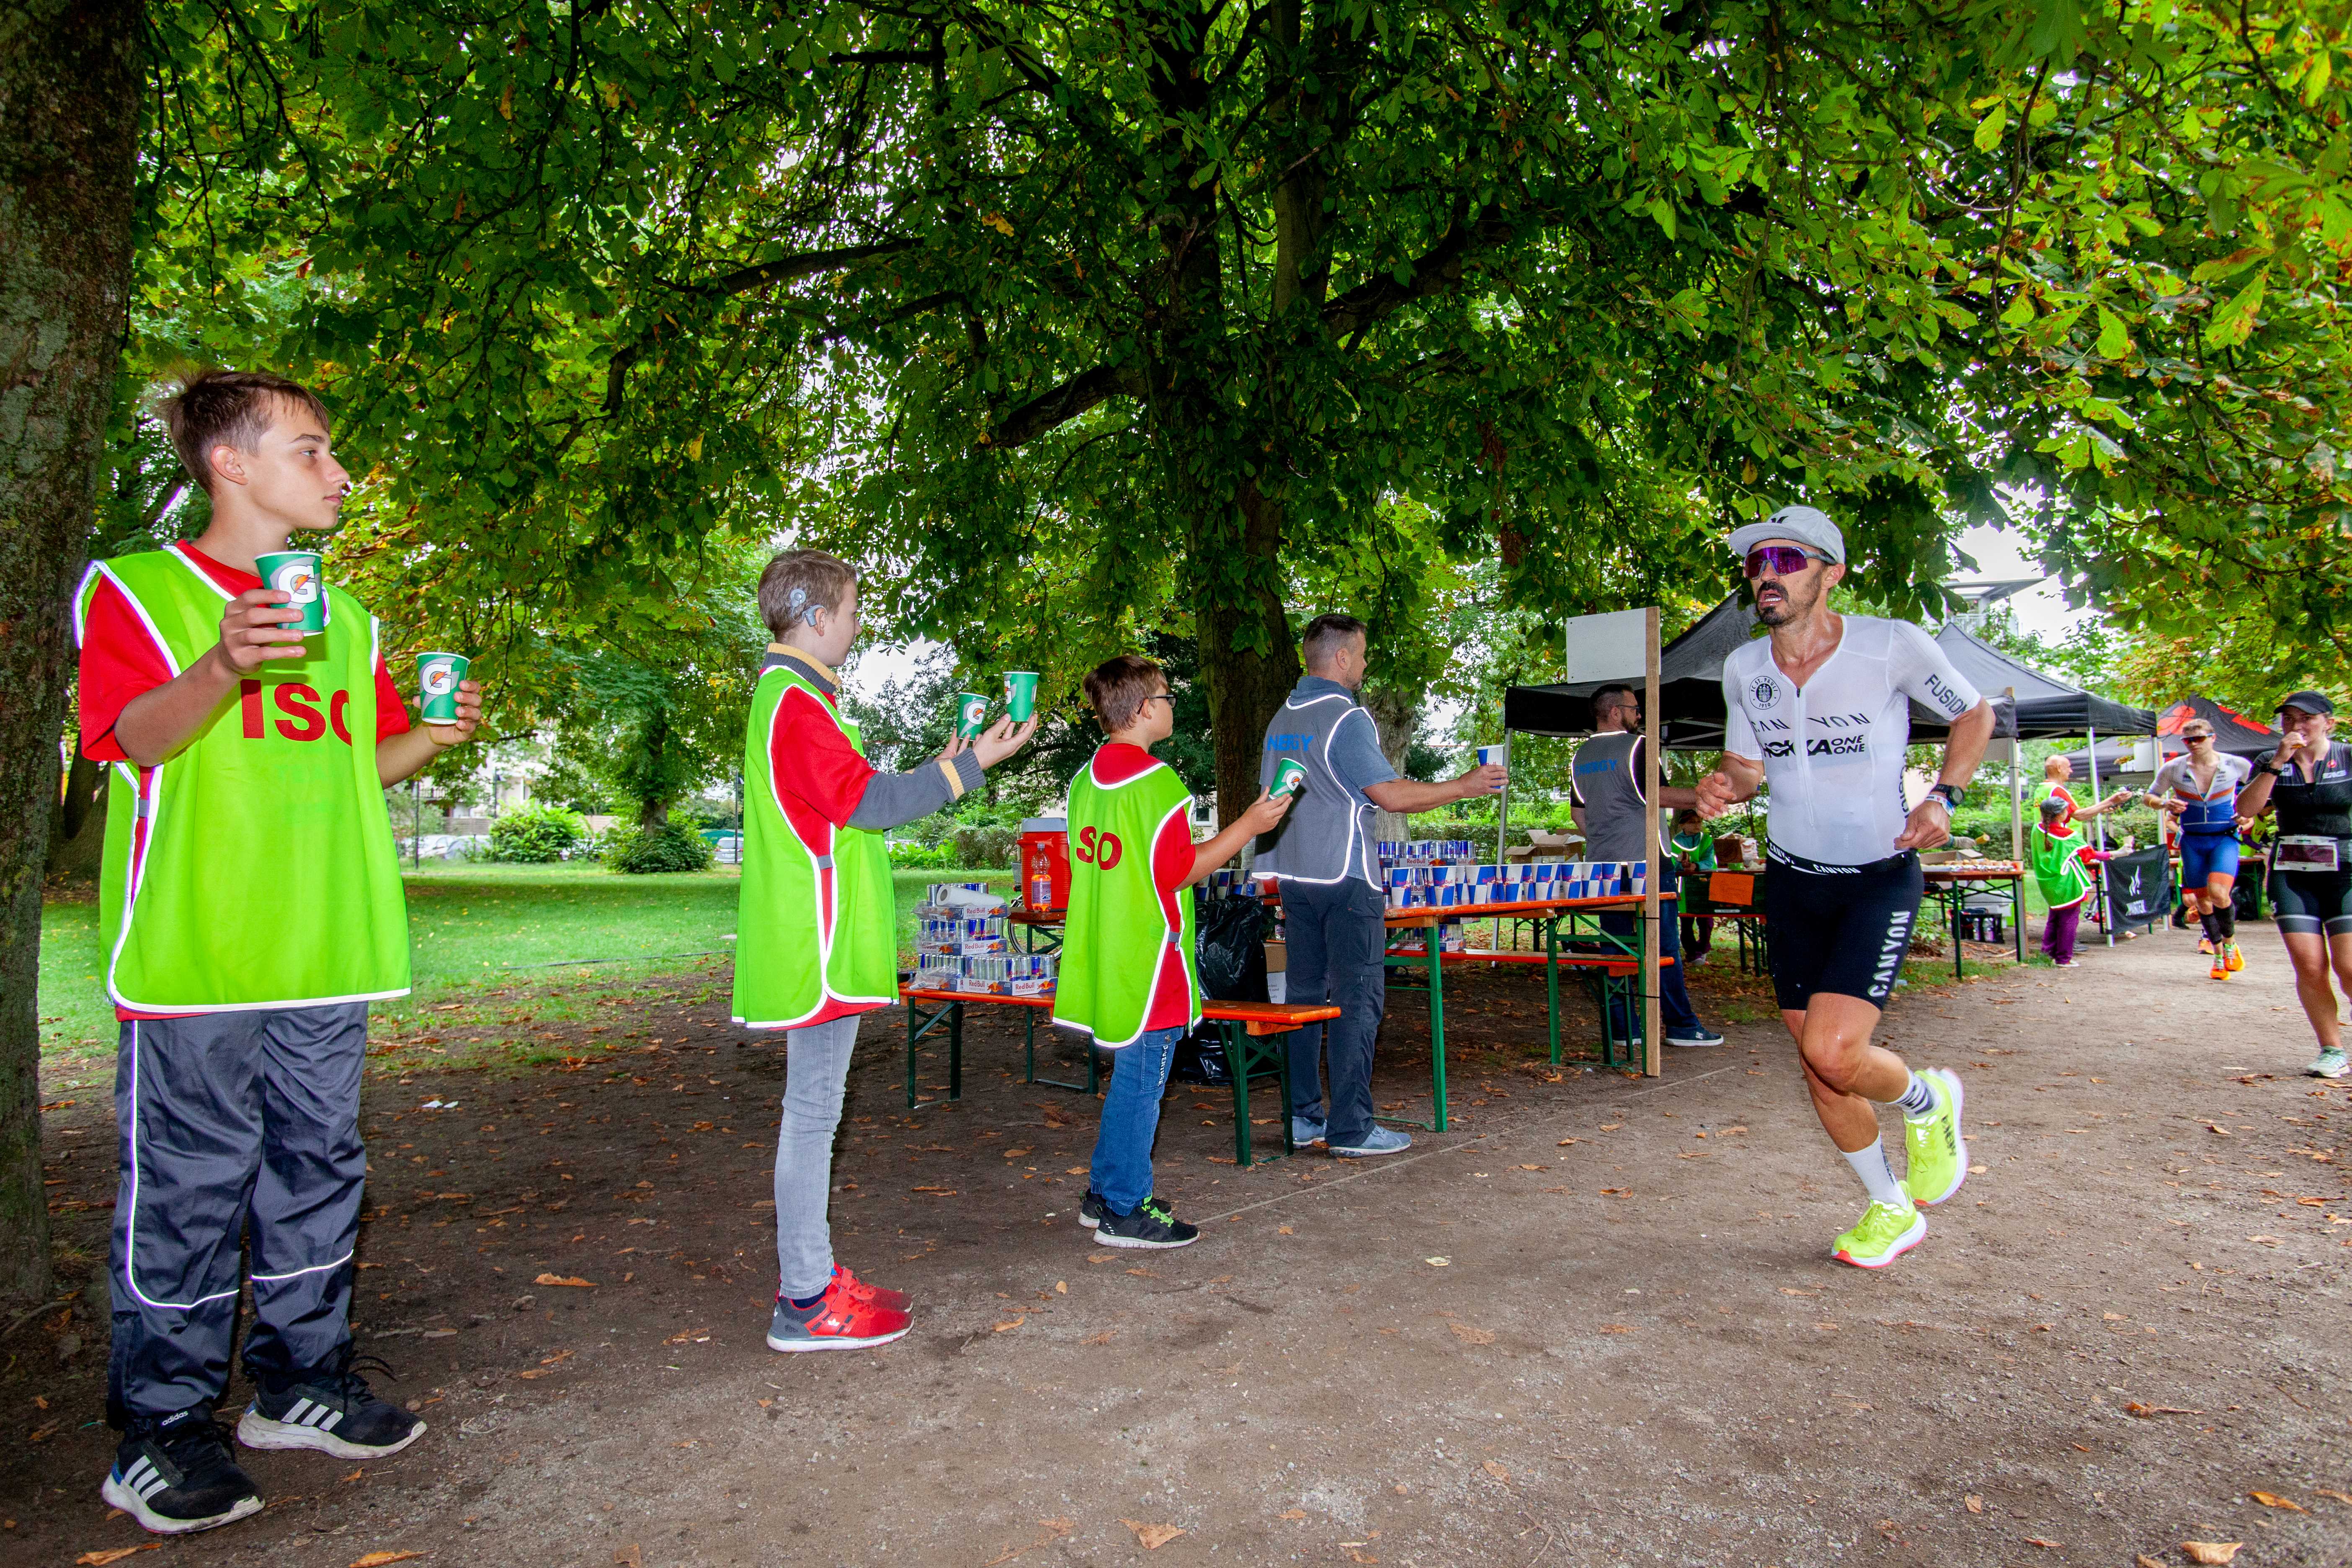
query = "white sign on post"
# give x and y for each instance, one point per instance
(1606, 647)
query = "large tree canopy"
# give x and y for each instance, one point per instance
(1082, 319)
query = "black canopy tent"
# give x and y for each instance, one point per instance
(2233, 732)
(1690, 692)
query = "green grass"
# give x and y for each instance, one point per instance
(475, 928)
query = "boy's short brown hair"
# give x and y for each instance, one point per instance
(229, 408)
(800, 581)
(1117, 688)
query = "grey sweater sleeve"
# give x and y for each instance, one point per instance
(894, 800)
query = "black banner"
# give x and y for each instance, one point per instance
(2139, 888)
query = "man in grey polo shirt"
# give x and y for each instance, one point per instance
(1333, 902)
(1607, 803)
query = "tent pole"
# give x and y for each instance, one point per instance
(2099, 826)
(1651, 910)
(1503, 831)
(2016, 801)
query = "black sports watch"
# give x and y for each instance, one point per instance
(1950, 794)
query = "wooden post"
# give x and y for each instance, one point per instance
(2016, 802)
(1651, 975)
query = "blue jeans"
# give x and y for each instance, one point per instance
(1130, 1120)
(1675, 1010)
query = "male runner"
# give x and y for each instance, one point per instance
(2203, 786)
(1820, 711)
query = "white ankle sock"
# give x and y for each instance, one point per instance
(1878, 1176)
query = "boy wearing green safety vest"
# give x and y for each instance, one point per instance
(2062, 862)
(251, 908)
(817, 937)
(1126, 975)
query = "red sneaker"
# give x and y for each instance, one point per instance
(839, 1322)
(872, 1295)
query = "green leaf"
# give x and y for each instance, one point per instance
(2114, 341)
(1989, 128)
(2234, 322)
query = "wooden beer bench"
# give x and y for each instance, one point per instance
(1608, 972)
(1255, 1037)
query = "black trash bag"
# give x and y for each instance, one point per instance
(1231, 956)
(1229, 947)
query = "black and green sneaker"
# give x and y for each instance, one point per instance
(1092, 1210)
(176, 1475)
(1153, 1224)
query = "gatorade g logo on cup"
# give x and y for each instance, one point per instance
(1019, 694)
(437, 675)
(1289, 778)
(295, 573)
(970, 715)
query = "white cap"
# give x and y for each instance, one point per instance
(1805, 524)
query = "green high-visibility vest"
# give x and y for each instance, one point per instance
(2058, 868)
(254, 867)
(817, 932)
(1127, 963)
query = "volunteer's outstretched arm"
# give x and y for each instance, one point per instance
(1261, 818)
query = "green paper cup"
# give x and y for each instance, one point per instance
(970, 715)
(437, 675)
(1019, 694)
(295, 573)
(1289, 778)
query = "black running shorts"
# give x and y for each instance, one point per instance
(1839, 929)
(2309, 902)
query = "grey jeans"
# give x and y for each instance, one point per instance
(238, 1133)
(817, 1071)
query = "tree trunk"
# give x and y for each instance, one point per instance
(1248, 659)
(1397, 717)
(77, 826)
(68, 131)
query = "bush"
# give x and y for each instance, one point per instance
(666, 848)
(537, 834)
(922, 857)
(992, 848)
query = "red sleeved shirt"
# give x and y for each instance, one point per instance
(817, 771)
(121, 659)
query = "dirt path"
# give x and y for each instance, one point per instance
(1594, 1323)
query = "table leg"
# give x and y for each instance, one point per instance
(914, 1033)
(1437, 1029)
(1282, 1077)
(1028, 1046)
(1551, 981)
(955, 1050)
(1952, 904)
(2017, 918)
(1237, 1062)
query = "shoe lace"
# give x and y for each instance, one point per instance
(195, 1445)
(342, 1373)
(1156, 1208)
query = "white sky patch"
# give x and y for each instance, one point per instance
(2000, 555)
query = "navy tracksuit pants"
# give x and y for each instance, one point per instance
(238, 1133)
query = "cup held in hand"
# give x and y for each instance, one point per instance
(295, 573)
(1019, 694)
(437, 675)
(1289, 778)
(970, 715)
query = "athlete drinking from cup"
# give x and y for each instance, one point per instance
(2309, 780)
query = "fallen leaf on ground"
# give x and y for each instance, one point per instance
(1153, 1536)
(2144, 1561)
(2331, 1491)
(1101, 1339)
(1610, 1126)
(1470, 1336)
(1616, 1328)
(1566, 1141)
(1495, 1471)
(1292, 1513)
(1534, 1167)
(2271, 1500)
(2211, 1551)
(114, 1554)
(1061, 1287)
(2145, 1411)
(1616, 1192)
(1008, 1324)
(2265, 1240)
(629, 1556)
(564, 1279)
(378, 1559)
(1976, 1503)
(1437, 1262)
(2037, 1541)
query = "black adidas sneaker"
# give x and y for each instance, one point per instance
(331, 1409)
(1092, 1210)
(1153, 1224)
(177, 1474)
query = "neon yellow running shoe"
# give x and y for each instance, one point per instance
(1938, 1156)
(1884, 1234)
